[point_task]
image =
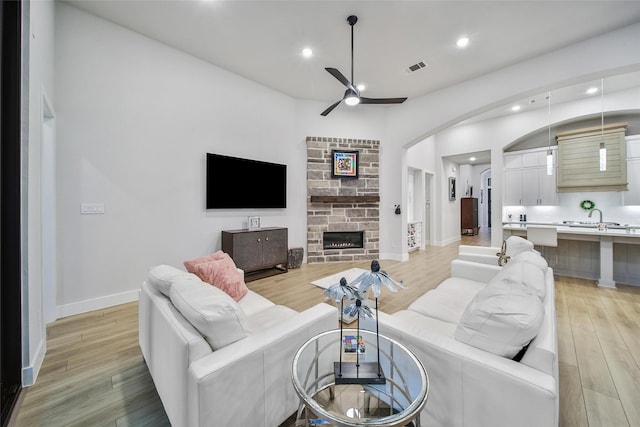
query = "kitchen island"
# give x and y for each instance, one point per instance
(609, 254)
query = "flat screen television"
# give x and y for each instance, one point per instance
(236, 183)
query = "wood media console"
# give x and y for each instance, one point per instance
(260, 253)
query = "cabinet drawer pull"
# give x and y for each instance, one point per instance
(266, 238)
(258, 239)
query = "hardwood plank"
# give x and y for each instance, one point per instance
(603, 410)
(572, 410)
(624, 369)
(594, 371)
(566, 347)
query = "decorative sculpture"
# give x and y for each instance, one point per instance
(368, 372)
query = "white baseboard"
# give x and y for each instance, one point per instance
(393, 257)
(449, 241)
(96, 303)
(30, 373)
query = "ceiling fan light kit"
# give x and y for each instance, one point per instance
(352, 94)
(351, 98)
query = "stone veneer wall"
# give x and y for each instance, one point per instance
(350, 216)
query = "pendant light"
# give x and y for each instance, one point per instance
(549, 153)
(603, 149)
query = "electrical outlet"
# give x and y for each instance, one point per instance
(91, 208)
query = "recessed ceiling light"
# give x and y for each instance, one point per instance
(592, 90)
(462, 42)
(361, 87)
(515, 108)
(306, 52)
(472, 159)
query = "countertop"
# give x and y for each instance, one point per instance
(583, 229)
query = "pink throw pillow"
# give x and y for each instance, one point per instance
(223, 274)
(191, 264)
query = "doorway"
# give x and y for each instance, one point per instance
(428, 180)
(485, 199)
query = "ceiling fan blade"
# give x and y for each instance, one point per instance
(382, 100)
(338, 75)
(328, 110)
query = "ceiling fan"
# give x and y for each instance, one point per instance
(352, 94)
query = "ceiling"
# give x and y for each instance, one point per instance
(262, 40)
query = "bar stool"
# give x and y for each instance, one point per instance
(545, 237)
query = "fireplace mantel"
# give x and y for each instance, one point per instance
(345, 199)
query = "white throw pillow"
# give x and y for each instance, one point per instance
(501, 319)
(162, 276)
(519, 272)
(210, 310)
(532, 257)
(516, 244)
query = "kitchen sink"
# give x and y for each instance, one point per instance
(591, 224)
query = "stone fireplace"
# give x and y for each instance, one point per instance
(342, 213)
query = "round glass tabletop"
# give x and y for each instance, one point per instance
(358, 379)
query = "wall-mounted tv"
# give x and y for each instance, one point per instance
(236, 183)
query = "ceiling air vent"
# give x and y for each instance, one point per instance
(415, 67)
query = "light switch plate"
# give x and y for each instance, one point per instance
(91, 208)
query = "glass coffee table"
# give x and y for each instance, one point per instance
(396, 402)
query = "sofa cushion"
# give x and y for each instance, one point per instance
(420, 326)
(162, 276)
(448, 301)
(522, 272)
(191, 264)
(223, 274)
(263, 320)
(252, 303)
(210, 310)
(501, 319)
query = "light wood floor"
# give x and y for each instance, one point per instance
(94, 375)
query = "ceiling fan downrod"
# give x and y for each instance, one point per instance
(352, 19)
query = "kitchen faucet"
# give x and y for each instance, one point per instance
(591, 213)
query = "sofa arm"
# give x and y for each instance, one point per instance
(471, 387)
(473, 270)
(254, 374)
(482, 254)
(477, 250)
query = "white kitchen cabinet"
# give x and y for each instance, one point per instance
(528, 184)
(632, 196)
(513, 187)
(547, 187)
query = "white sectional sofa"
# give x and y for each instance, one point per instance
(216, 361)
(466, 332)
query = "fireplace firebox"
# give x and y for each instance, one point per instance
(342, 239)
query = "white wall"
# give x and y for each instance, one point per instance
(136, 119)
(39, 63)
